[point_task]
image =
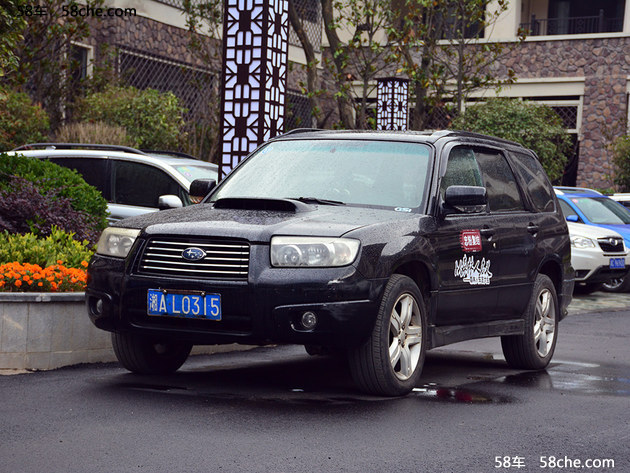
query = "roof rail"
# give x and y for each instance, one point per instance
(300, 130)
(125, 149)
(175, 154)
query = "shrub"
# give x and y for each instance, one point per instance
(98, 132)
(63, 190)
(20, 120)
(153, 119)
(621, 160)
(18, 277)
(536, 127)
(58, 246)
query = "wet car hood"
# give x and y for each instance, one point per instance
(261, 225)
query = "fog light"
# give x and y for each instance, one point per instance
(309, 320)
(98, 307)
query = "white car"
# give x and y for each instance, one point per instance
(622, 198)
(597, 255)
(133, 182)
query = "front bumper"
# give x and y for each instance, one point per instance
(264, 309)
(593, 266)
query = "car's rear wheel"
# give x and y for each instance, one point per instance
(534, 349)
(146, 356)
(389, 363)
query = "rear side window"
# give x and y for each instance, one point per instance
(93, 170)
(503, 193)
(536, 182)
(141, 184)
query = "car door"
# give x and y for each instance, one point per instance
(515, 232)
(137, 188)
(465, 248)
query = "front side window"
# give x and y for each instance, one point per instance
(503, 193)
(355, 172)
(141, 185)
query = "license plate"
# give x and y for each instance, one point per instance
(617, 263)
(184, 304)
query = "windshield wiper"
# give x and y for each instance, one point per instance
(315, 200)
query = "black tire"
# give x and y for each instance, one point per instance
(145, 356)
(372, 368)
(588, 288)
(617, 285)
(534, 349)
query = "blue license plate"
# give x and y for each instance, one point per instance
(617, 263)
(184, 304)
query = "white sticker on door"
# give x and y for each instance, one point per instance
(474, 272)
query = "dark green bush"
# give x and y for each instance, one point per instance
(621, 159)
(151, 118)
(21, 121)
(536, 127)
(35, 194)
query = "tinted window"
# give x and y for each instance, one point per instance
(93, 170)
(503, 193)
(536, 182)
(461, 170)
(140, 184)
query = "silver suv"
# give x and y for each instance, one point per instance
(133, 182)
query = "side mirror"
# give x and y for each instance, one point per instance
(199, 188)
(466, 199)
(573, 218)
(169, 201)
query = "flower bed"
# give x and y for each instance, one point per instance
(25, 277)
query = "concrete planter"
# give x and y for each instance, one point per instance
(48, 330)
(42, 331)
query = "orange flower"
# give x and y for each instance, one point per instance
(84, 264)
(18, 283)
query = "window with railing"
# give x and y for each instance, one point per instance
(571, 17)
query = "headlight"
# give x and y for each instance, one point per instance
(582, 242)
(290, 252)
(116, 241)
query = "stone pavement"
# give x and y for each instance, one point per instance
(599, 302)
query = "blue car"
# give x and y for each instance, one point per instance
(590, 207)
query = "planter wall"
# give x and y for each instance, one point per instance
(44, 331)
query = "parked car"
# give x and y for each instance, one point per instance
(597, 255)
(622, 198)
(589, 207)
(380, 245)
(133, 182)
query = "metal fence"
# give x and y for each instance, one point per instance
(192, 85)
(298, 113)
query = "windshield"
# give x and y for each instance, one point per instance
(197, 172)
(602, 211)
(359, 172)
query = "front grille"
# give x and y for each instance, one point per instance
(223, 260)
(611, 244)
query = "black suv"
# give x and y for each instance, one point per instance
(378, 245)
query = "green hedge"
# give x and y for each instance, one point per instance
(21, 121)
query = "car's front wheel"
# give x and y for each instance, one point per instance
(389, 363)
(146, 356)
(534, 349)
(617, 285)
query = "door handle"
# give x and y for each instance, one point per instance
(487, 232)
(533, 229)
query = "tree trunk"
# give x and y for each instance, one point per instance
(344, 102)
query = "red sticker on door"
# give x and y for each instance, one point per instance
(470, 241)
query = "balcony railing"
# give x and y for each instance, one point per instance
(572, 25)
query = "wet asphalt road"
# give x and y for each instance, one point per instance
(279, 410)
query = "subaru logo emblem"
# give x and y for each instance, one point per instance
(193, 254)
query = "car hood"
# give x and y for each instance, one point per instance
(261, 224)
(591, 231)
(622, 229)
